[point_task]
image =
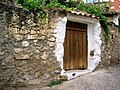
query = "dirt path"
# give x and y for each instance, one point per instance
(98, 80)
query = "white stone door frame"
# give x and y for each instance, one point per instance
(94, 42)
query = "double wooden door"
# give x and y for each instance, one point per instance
(75, 46)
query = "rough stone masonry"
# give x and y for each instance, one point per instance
(27, 49)
(111, 53)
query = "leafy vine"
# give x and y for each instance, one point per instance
(45, 6)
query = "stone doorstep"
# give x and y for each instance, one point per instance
(71, 74)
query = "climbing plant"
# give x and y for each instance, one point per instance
(97, 11)
(46, 6)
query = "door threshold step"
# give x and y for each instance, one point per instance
(71, 74)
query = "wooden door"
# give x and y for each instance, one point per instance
(75, 46)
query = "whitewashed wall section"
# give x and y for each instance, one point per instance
(60, 35)
(115, 19)
(94, 43)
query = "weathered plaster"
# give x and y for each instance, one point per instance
(94, 43)
(60, 35)
(115, 19)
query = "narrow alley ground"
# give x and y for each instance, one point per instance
(102, 79)
(105, 79)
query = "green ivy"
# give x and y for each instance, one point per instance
(96, 10)
(45, 6)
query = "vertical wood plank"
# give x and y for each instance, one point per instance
(66, 51)
(76, 49)
(72, 51)
(84, 50)
(80, 50)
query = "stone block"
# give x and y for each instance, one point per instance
(41, 37)
(32, 36)
(37, 74)
(33, 32)
(43, 32)
(24, 31)
(25, 43)
(18, 50)
(22, 63)
(29, 21)
(33, 25)
(18, 37)
(15, 18)
(63, 78)
(51, 44)
(44, 56)
(36, 28)
(22, 56)
(52, 39)
(37, 57)
(37, 50)
(13, 31)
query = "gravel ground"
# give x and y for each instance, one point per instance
(103, 79)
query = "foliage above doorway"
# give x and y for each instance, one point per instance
(44, 7)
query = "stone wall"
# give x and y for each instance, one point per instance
(32, 53)
(111, 53)
(27, 49)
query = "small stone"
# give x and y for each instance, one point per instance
(3, 64)
(53, 26)
(18, 50)
(22, 56)
(35, 41)
(45, 76)
(22, 63)
(51, 44)
(32, 37)
(2, 53)
(63, 78)
(36, 28)
(44, 56)
(15, 18)
(18, 37)
(38, 32)
(37, 57)
(25, 31)
(33, 32)
(43, 62)
(57, 72)
(52, 39)
(23, 27)
(29, 21)
(37, 51)
(6, 36)
(43, 32)
(34, 24)
(109, 62)
(13, 30)
(25, 43)
(37, 74)
(41, 37)
(23, 23)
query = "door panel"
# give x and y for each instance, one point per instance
(75, 46)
